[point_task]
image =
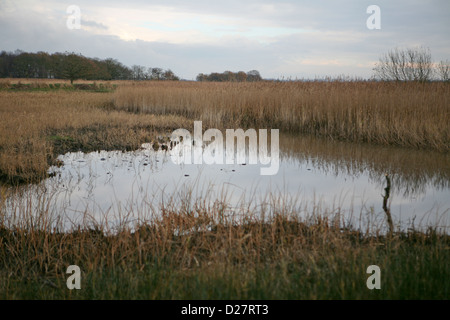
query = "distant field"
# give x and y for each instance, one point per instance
(4, 81)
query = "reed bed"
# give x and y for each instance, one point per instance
(36, 127)
(404, 114)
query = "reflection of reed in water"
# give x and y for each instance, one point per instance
(410, 170)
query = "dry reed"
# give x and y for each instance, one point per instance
(36, 127)
(404, 114)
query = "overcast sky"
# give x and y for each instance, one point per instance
(281, 39)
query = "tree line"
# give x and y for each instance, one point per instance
(240, 76)
(73, 66)
(413, 64)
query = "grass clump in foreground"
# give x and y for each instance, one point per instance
(201, 254)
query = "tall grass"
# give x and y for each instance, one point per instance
(405, 114)
(36, 127)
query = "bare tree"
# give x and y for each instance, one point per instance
(405, 65)
(155, 73)
(138, 72)
(443, 70)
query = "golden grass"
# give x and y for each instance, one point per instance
(36, 126)
(405, 114)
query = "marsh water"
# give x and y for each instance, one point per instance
(337, 179)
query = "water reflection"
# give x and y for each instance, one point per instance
(314, 176)
(412, 171)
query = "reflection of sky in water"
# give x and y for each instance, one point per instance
(114, 185)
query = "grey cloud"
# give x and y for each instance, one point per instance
(340, 34)
(93, 24)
